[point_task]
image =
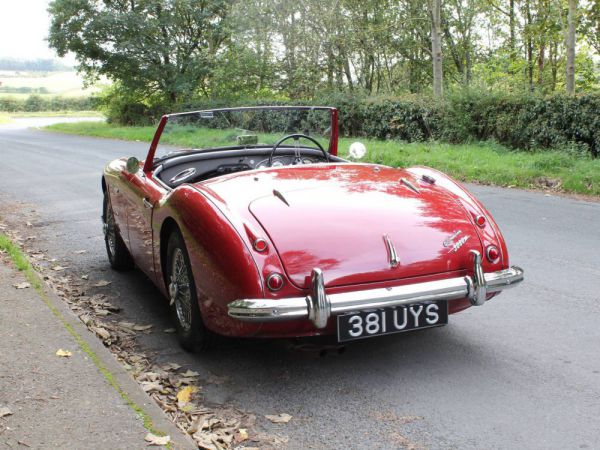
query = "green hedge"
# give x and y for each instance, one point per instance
(36, 103)
(523, 122)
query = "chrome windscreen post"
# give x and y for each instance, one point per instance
(318, 304)
(479, 288)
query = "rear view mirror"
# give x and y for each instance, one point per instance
(133, 165)
(357, 150)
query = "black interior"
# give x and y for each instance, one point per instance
(191, 167)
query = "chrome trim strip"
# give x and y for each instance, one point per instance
(155, 177)
(392, 255)
(318, 307)
(409, 185)
(280, 196)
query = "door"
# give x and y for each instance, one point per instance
(143, 194)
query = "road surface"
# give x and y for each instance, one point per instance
(521, 372)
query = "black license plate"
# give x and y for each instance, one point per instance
(375, 322)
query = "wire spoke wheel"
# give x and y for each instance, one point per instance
(179, 290)
(118, 254)
(109, 231)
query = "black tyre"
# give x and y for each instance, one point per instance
(118, 255)
(191, 332)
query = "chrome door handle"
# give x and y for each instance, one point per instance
(147, 204)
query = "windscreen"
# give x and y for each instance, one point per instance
(244, 128)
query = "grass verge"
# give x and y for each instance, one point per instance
(485, 162)
(4, 119)
(22, 264)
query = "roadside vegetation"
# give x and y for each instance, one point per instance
(483, 162)
(43, 90)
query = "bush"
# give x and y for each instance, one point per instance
(523, 122)
(37, 103)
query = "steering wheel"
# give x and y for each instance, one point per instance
(296, 137)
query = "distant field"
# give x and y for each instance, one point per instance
(65, 84)
(485, 162)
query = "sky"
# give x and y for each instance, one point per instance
(23, 29)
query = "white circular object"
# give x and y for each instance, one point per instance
(357, 150)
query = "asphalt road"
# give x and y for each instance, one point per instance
(522, 371)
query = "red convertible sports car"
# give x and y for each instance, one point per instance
(252, 226)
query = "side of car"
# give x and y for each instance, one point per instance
(185, 245)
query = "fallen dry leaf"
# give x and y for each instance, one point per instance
(153, 439)
(5, 412)
(63, 353)
(102, 332)
(185, 395)
(23, 285)
(102, 283)
(142, 327)
(172, 366)
(58, 268)
(149, 386)
(279, 418)
(242, 435)
(190, 373)
(169, 330)
(80, 252)
(84, 277)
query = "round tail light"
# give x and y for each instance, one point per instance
(260, 245)
(480, 221)
(275, 282)
(492, 253)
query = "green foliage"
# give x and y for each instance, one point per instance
(151, 47)
(487, 162)
(121, 105)
(516, 121)
(36, 103)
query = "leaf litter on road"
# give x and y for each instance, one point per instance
(212, 427)
(23, 285)
(63, 353)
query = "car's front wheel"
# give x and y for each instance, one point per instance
(118, 255)
(191, 332)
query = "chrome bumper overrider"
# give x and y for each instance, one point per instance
(319, 306)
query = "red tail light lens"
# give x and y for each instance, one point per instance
(492, 253)
(260, 245)
(480, 221)
(275, 282)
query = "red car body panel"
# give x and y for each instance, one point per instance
(334, 217)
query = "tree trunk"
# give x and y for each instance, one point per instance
(570, 44)
(512, 39)
(540, 63)
(436, 47)
(529, 45)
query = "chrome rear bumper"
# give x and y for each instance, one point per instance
(319, 306)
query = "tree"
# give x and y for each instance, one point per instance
(591, 24)
(436, 47)
(570, 44)
(154, 47)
